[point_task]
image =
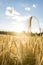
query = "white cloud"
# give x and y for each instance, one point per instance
(15, 15)
(10, 11)
(27, 8)
(20, 18)
(34, 6)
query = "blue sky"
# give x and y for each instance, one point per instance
(14, 14)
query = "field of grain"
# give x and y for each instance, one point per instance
(21, 49)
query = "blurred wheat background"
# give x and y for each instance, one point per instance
(21, 49)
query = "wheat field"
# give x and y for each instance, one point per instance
(21, 49)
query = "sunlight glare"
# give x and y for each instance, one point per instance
(18, 27)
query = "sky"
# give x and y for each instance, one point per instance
(15, 15)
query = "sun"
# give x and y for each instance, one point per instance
(18, 27)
